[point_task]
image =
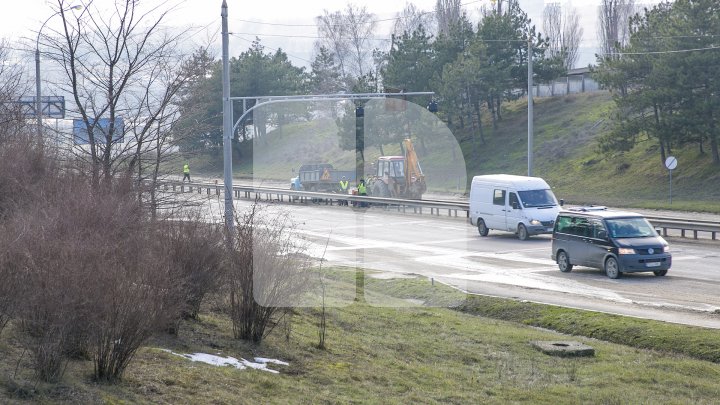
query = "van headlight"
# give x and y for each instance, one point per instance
(666, 249)
(626, 251)
(535, 222)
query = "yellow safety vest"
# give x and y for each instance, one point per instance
(186, 169)
(343, 185)
(362, 189)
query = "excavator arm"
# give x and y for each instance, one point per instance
(414, 177)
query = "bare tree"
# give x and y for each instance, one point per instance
(361, 26)
(347, 36)
(267, 274)
(613, 25)
(12, 86)
(123, 71)
(412, 18)
(332, 33)
(447, 13)
(563, 31)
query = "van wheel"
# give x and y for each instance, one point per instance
(564, 262)
(660, 273)
(612, 269)
(482, 229)
(522, 232)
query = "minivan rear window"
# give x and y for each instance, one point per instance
(630, 228)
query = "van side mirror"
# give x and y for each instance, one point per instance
(562, 202)
(602, 234)
(515, 206)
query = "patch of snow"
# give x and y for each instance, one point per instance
(260, 363)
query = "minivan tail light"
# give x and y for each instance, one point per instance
(626, 251)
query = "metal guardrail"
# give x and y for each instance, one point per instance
(434, 207)
(291, 196)
(684, 225)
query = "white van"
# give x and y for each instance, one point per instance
(520, 204)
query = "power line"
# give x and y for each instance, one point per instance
(661, 52)
(299, 36)
(337, 25)
(270, 48)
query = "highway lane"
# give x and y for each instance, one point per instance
(451, 251)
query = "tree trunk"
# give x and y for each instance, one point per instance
(662, 153)
(491, 108)
(478, 112)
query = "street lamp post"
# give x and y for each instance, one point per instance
(38, 92)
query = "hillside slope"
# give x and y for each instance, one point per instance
(566, 155)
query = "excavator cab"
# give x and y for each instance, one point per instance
(399, 176)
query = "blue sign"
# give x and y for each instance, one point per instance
(51, 106)
(100, 131)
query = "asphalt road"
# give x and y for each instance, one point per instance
(450, 250)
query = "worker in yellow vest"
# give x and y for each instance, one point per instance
(186, 172)
(343, 190)
(362, 191)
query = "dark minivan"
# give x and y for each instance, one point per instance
(615, 241)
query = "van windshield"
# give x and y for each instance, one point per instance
(630, 228)
(537, 198)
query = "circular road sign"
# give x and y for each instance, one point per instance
(671, 162)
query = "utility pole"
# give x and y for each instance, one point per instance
(227, 122)
(530, 108)
(360, 175)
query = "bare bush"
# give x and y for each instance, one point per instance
(267, 275)
(8, 285)
(92, 279)
(195, 250)
(23, 165)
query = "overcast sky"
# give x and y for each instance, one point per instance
(287, 24)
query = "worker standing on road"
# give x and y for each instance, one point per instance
(186, 172)
(362, 191)
(343, 189)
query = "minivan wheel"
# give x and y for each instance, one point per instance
(522, 232)
(482, 229)
(660, 273)
(612, 269)
(564, 262)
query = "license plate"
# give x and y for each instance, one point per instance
(548, 230)
(652, 264)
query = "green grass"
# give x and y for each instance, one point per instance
(394, 355)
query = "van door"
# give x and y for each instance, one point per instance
(496, 219)
(513, 211)
(579, 243)
(598, 244)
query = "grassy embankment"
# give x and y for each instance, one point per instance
(566, 155)
(404, 353)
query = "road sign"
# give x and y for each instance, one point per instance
(52, 106)
(100, 130)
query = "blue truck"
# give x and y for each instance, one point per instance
(322, 177)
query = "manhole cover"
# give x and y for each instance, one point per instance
(563, 348)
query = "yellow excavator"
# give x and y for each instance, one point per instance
(398, 176)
